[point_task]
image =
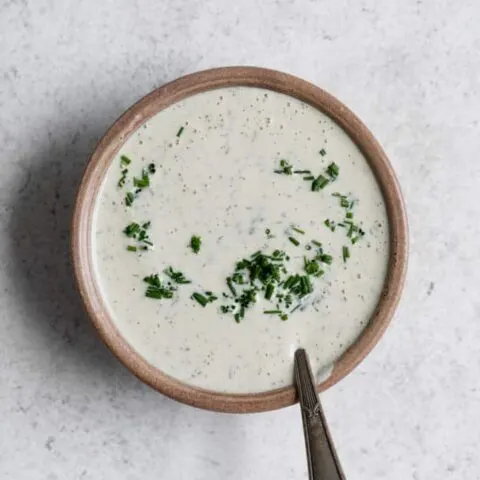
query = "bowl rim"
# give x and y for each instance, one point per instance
(146, 108)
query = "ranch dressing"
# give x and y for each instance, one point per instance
(215, 178)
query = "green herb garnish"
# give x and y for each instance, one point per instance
(285, 168)
(132, 230)
(231, 287)
(177, 277)
(180, 131)
(319, 183)
(345, 253)
(131, 248)
(333, 170)
(312, 267)
(124, 161)
(142, 182)
(139, 233)
(294, 241)
(129, 198)
(283, 316)
(330, 224)
(269, 291)
(156, 289)
(123, 179)
(195, 243)
(201, 299)
(204, 299)
(322, 152)
(325, 258)
(298, 230)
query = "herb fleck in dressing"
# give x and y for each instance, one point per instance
(210, 180)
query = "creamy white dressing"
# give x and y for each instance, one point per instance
(217, 181)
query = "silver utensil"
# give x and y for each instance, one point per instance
(323, 463)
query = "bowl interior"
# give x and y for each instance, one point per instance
(146, 108)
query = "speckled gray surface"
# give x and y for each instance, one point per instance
(67, 69)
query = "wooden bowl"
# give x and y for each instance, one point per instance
(146, 108)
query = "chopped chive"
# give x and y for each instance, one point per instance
(202, 300)
(288, 282)
(352, 229)
(177, 277)
(325, 258)
(180, 131)
(142, 182)
(294, 241)
(231, 287)
(152, 168)
(155, 288)
(269, 291)
(345, 253)
(309, 178)
(195, 243)
(355, 240)
(305, 286)
(131, 230)
(319, 183)
(240, 314)
(285, 168)
(238, 278)
(316, 243)
(302, 172)
(349, 215)
(153, 280)
(311, 267)
(322, 152)
(156, 293)
(333, 170)
(308, 284)
(124, 161)
(129, 198)
(293, 283)
(282, 315)
(298, 230)
(131, 248)
(122, 180)
(330, 224)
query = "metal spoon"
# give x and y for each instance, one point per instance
(322, 458)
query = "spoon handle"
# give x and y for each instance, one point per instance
(322, 458)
